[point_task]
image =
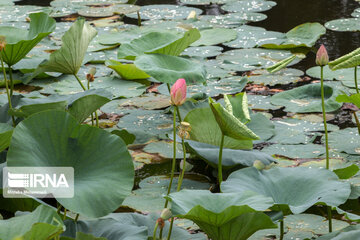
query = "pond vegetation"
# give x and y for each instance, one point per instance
(181, 120)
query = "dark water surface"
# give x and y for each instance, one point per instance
(286, 15)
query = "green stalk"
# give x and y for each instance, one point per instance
(64, 217)
(324, 117)
(7, 88)
(173, 161)
(92, 115)
(139, 18)
(59, 209)
(170, 229)
(79, 81)
(220, 178)
(11, 81)
(155, 229)
(326, 134)
(355, 78)
(77, 217)
(83, 87)
(282, 229)
(357, 121)
(181, 177)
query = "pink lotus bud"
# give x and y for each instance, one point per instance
(322, 57)
(178, 92)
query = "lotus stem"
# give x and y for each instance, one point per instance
(8, 93)
(357, 121)
(79, 81)
(59, 209)
(324, 117)
(139, 18)
(83, 87)
(77, 217)
(155, 229)
(170, 229)
(220, 177)
(355, 78)
(64, 217)
(11, 81)
(282, 229)
(92, 115)
(174, 159)
(326, 134)
(329, 218)
(181, 177)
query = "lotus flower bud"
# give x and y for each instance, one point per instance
(2, 43)
(322, 57)
(161, 223)
(91, 75)
(166, 214)
(184, 130)
(259, 165)
(178, 92)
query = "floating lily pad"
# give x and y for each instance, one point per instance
(215, 36)
(147, 124)
(164, 11)
(284, 76)
(345, 140)
(261, 103)
(147, 102)
(164, 149)
(168, 69)
(344, 25)
(232, 20)
(295, 151)
(304, 35)
(250, 36)
(150, 196)
(204, 2)
(307, 99)
(313, 185)
(249, 6)
(206, 51)
(231, 157)
(253, 58)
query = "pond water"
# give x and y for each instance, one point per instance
(286, 15)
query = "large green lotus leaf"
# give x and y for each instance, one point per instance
(248, 6)
(149, 197)
(356, 13)
(20, 42)
(42, 231)
(301, 226)
(313, 185)
(108, 229)
(350, 60)
(335, 234)
(307, 99)
(344, 25)
(149, 221)
(231, 20)
(295, 151)
(126, 71)
(296, 131)
(354, 99)
(83, 236)
(253, 58)
(229, 124)
(164, 11)
(346, 76)
(223, 215)
(61, 141)
(69, 58)
(250, 36)
(20, 225)
(5, 135)
(215, 36)
(230, 158)
(205, 129)
(203, 52)
(304, 35)
(167, 43)
(284, 76)
(148, 101)
(229, 85)
(168, 69)
(261, 103)
(345, 140)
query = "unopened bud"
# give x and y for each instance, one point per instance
(161, 223)
(184, 130)
(259, 165)
(322, 57)
(166, 214)
(2, 43)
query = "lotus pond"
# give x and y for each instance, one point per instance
(189, 119)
